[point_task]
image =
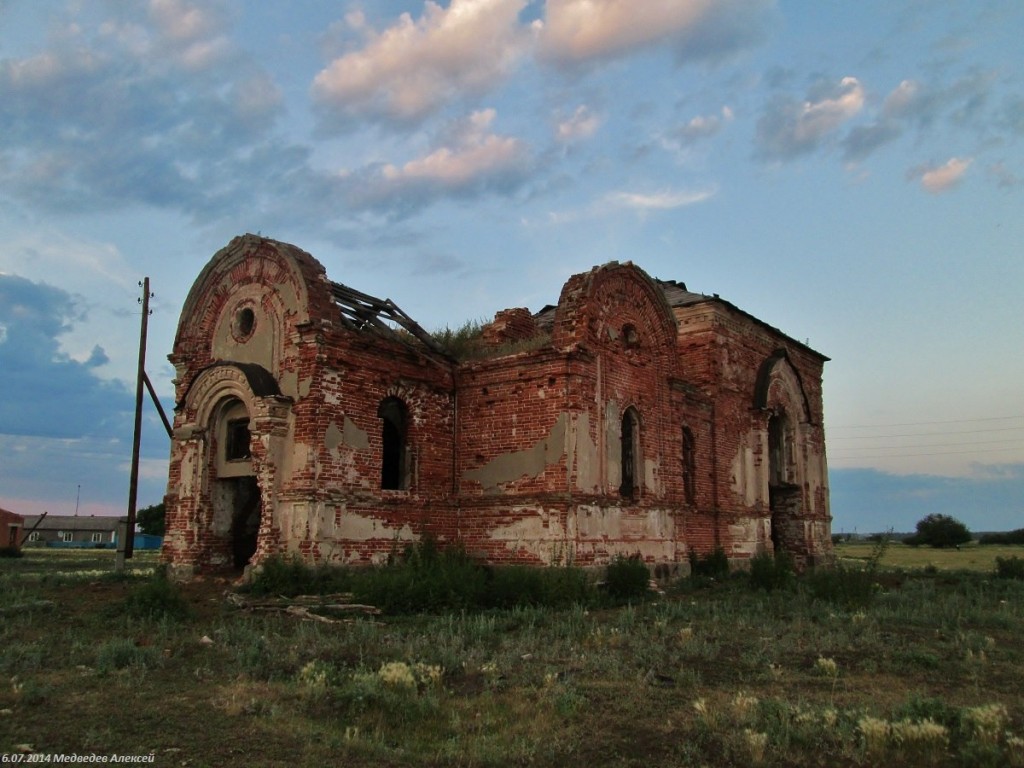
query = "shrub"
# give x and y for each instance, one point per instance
(426, 579)
(714, 565)
(519, 586)
(839, 585)
(848, 587)
(770, 573)
(289, 576)
(939, 531)
(1008, 537)
(11, 552)
(1010, 567)
(429, 578)
(121, 653)
(627, 578)
(156, 599)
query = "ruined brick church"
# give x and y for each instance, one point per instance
(633, 417)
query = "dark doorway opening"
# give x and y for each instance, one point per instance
(784, 497)
(630, 428)
(244, 493)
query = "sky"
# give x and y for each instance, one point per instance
(851, 173)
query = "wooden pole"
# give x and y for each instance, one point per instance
(126, 547)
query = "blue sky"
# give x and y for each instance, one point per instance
(851, 173)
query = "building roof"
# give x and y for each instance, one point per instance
(677, 295)
(73, 523)
(8, 513)
(368, 314)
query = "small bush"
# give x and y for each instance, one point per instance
(627, 578)
(1010, 567)
(770, 573)
(839, 585)
(714, 565)
(1007, 537)
(289, 576)
(429, 578)
(520, 586)
(11, 552)
(156, 599)
(121, 653)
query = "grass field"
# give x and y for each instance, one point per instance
(970, 557)
(928, 672)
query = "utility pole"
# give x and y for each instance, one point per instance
(126, 545)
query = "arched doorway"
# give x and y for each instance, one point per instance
(784, 498)
(235, 494)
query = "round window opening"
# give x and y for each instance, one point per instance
(245, 322)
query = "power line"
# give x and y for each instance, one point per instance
(923, 423)
(931, 445)
(925, 434)
(909, 455)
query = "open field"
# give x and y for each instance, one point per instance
(929, 672)
(970, 557)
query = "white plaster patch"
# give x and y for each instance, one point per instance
(530, 462)
(353, 527)
(186, 489)
(746, 479)
(587, 461)
(539, 532)
(748, 536)
(652, 477)
(331, 388)
(290, 384)
(354, 436)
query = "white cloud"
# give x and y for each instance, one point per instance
(580, 30)
(789, 128)
(203, 54)
(821, 117)
(901, 99)
(582, 124)
(659, 201)
(945, 176)
(703, 126)
(183, 21)
(415, 66)
(639, 202)
(477, 153)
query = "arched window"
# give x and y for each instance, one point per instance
(778, 449)
(689, 466)
(394, 475)
(630, 453)
(630, 338)
(235, 454)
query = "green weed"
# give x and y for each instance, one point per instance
(627, 578)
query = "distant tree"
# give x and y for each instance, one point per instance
(939, 531)
(151, 519)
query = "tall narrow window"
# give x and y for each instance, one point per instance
(237, 442)
(394, 417)
(630, 452)
(778, 450)
(689, 466)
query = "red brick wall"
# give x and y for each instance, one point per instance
(512, 456)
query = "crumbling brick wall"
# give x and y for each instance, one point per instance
(625, 424)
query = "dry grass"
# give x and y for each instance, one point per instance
(928, 674)
(970, 557)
